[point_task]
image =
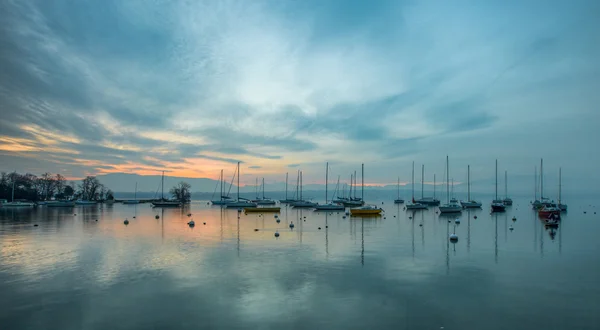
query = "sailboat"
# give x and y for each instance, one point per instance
(426, 200)
(224, 200)
(240, 202)
(353, 201)
(164, 202)
(263, 200)
(300, 202)
(539, 204)
(413, 205)
(507, 200)
(451, 206)
(286, 200)
(18, 203)
(134, 200)
(398, 200)
(470, 204)
(367, 209)
(328, 206)
(549, 209)
(562, 207)
(497, 204)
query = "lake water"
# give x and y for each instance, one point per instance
(73, 272)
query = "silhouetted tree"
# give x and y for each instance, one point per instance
(89, 188)
(181, 191)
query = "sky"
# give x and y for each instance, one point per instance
(193, 87)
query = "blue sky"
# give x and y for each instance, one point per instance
(91, 87)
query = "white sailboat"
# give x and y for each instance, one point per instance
(451, 206)
(561, 206)
(263, 200)
(301, 203)
(353, 201)
(328, 206)
(430, 201)
(413, 205)
(497, 204)
(367, 210)
(287, 200)
(223, 200)
(470, 204)
(398, 200)
(240, 202)
(164, 202)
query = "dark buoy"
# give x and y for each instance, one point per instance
(76, 213)
(511, 228)
(292, 224)
(134, 216)
(319, 228)
(344, 217)
(584, 212)
(410, 217)
(514, 219)
(35, 225)
(381, 203)
(207, 203)
(304, 217)
(326, 226)
(126, 222)
(304, 220)
(189, 214)
(157, 217)
(394, 216)
(96, 220)
(420, 225)
(255, 229)
(278, 221)
(191, 223)
(449, 220)
(474, 217)
(276, 234)
(204, 223)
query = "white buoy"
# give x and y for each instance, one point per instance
(191, 223)
(457, 220)
(453, 237)
(126, 221)
(276, 234)
(291, 224)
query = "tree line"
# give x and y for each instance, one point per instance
(48, 186)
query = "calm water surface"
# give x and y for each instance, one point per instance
(73, 272)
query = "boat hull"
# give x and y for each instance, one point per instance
(498, 208)
(265, 202)
(355, 212)
(225, 202)
(416, 207)
(353, 203)
(329, 207)
(287, 201)
(304, 204)
(166, 204)
(507, 202)
(471, 205)
(18, 204)
(131, 202)
(262, 209)
(85, 203)
(398, 201)
(450, 209)
(61, 204)
(240, 205)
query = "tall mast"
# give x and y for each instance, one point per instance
(355, 184)
(256, 187)
(535, 183)
(559, 184)
(362, 177)
(162, 185)
(350, 188)
(263, 184)
(413, 182)
(222, 191)
(496, 180)
(468, 183)
(238, 182)
(422, 179)
(505, 184)
(398, 187)
(298, 185)
(326, 179)
(301, 185)
(542, 178)
(286, 185)
(447, 181)
(434, 186)
(135, 192)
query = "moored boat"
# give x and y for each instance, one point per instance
(162, 202)
(452, 205)
(497, 204)
(366, 210)
(414, 205)
(262, 209)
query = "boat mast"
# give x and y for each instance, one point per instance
(535, 184)
(362, 177)
(559, 184)
(434, 187)
(162, 185)
(222, 191)
(448, 181)
(326, 179)
(505, 184)
(422, 179)
(413, 182)
(468, 183)
(256, 188)
(542, 178)
(354, 184)
(263, 184)
(298, 185)
(301, 186)
(398, 187)
(238, 181)
(496, 180)
(286, 186)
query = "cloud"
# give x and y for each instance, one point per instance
(195, 87)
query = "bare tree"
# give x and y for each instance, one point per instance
(89, 188)
(181, 192)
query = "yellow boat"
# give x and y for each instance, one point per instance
(262, 209)
(366, 210)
